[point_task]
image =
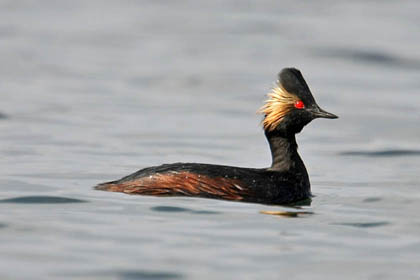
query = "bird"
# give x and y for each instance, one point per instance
(289, 107)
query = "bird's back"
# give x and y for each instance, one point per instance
(212, 181)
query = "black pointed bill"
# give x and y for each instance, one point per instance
(319, 113)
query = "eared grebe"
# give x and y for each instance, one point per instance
(290, 106)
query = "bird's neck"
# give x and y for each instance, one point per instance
(283, 151)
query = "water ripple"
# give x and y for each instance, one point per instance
(364, 225)
(382, 153)
(174, 209)
(42, 200)
(147, 275)
(372, 199)
(369, 57)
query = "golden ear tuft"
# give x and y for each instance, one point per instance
(279, 103)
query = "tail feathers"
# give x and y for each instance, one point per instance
(109, 186)
(180, 184)
(135, 188)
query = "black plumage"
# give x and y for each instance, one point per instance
(289, 108)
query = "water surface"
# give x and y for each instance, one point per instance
(92, 91)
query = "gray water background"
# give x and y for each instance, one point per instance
(91, 91)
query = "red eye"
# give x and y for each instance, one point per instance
(299, 105)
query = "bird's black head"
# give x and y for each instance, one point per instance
(290, 105)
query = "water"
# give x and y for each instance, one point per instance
(92, 91)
